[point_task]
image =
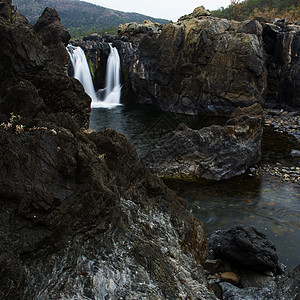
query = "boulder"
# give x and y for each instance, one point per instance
(213, 152)
(81, 217)
(245, 247)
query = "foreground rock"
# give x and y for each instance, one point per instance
(214, 152)
(81, 217)
(245, 247)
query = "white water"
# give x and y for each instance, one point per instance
(112, 91)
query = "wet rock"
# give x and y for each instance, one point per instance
(285, 287)
(245, 247)
(214, 152)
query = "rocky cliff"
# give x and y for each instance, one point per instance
(202, 64)
(80, 216)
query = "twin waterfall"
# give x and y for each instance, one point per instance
(111, 94)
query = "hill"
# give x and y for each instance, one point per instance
(268, 9)
(81, 17)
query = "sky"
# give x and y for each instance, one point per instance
(166, 9)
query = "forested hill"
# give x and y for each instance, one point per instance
(80, 17)
(268, 9)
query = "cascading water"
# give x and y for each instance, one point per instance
(82, 70)
(112, 91)
(112, 79)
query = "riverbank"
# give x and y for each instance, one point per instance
(288, 124)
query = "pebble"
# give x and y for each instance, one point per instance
(284, 122)
(230, 277)
(291, 174)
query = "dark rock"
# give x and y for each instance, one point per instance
(81, 217)
(54, 35)
(24, 58)
(214, 152)
(22, 99)
(196, 66)
(245, 247)
(285, 287)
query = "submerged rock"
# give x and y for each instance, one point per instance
(213, 152)
(245, 247)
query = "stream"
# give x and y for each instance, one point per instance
(263, 200)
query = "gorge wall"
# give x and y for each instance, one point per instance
(202, 64)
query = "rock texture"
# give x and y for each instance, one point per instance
(202, 64)
(29, 69)
(213, 152)
(197, 65)
(245, 247)
(80, 216)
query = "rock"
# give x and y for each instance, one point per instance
(180, 68)
(81, 217)
(200, 12)
(54, 35)
(245, 247)
(286, 286)
(74, 223)
(28, 71)
(214, 152)
(230, 277)
(295, 153)
(231, 292)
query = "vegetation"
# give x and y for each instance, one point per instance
(81, 18)
(268, 9)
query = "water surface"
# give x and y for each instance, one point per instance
(263, 201)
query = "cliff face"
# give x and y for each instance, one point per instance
(202, 64)
(80, 217)
(208, 65)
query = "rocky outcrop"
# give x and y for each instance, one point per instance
(202, 64)
(198, 65)
(29, 69)
(245, 247)
(81, 217)
(213, 152)
(282, 50)
(53, 35)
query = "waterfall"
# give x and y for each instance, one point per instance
(111, 94)
(112, 79)
(82, 70)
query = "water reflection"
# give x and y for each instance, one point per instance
(263, 201)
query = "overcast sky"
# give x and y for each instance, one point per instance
(166, 9)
